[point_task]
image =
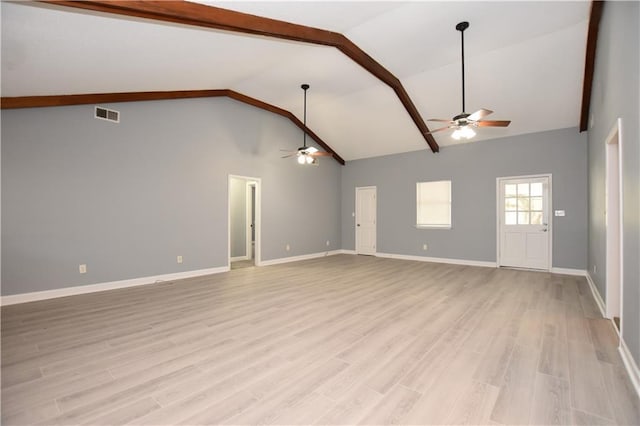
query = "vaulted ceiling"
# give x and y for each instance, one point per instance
(524, 60)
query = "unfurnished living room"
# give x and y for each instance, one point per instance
(314, 212)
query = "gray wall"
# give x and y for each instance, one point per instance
(473, 169)
(127, 198)
(238, 216)
(616, 93)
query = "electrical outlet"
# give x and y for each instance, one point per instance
(287, 247)
(328, 243)
(595, 269)
(425, 247)
(82, 269)
(179, 259)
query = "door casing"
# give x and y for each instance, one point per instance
(613, 223)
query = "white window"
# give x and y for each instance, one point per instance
(433, 203)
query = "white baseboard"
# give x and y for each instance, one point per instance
(299, 258)
(630, 364)
(438, 260)
(569, 271)
(239, 258)
(343, 251)
(92, 288)
(596, 295)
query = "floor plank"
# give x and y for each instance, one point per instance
(392, 408)
(587, 385)
(551, 402)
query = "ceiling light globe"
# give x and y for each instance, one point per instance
(467, 132)
(301, 159)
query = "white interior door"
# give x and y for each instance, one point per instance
(524, 233)
(366, 220)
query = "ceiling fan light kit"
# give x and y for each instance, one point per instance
(463, 123)
(465, 132)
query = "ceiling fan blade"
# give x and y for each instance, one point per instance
(479, 114)
(437, 130)
(440, 120)
(494, 123)
(288, 156)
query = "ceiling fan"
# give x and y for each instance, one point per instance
(463, 123)
(306, 154)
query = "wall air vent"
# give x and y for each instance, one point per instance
(107, 114)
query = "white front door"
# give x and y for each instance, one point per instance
(366, 220)
(524, 233)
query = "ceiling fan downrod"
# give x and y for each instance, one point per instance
(304, 132)
(461, 27)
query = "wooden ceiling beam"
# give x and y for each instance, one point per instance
(101, 98)
(222, 19)
(590, 62)
(96, 98)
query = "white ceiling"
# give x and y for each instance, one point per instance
(524, 60)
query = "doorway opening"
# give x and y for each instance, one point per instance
(244, 221)
(613, 220)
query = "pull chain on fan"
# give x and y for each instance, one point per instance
(464, 123)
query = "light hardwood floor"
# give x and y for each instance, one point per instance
(337, 340)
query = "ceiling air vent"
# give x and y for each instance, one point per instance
(107, 114)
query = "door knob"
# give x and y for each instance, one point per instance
(358, 224)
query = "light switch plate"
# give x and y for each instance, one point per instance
(559, 213)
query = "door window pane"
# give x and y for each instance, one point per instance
(510, 204)
(523, 203)
(510, 218)
(536, 218)
(536, 203)
(536, 189)
(523, 189)
(523, 218)
(510, 190)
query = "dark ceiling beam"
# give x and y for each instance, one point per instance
(101, 98)
(96, 98)
(589, 63)
(222, 19)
